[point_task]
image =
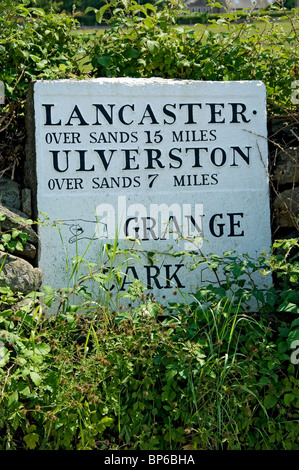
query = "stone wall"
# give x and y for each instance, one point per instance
(18, 269)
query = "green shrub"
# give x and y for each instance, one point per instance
(34, 45)
(145, 42)
(203, 375)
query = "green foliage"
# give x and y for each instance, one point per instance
(144, 41)
(12, 240)
(207, 374)
(203, 18)
(34, 45)
(203, 375)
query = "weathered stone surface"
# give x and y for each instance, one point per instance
(19, 274)
(26, 202)
(9, 223)
(286, 169)
(10, 193)
(286, 208)
(283, 130)
(29, 251)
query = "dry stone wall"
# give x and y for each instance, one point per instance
(18, 270)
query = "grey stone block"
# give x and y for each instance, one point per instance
(20, 275)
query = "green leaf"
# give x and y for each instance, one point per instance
(104, 423)
(100, 12)
(42, 348)
(104, 60)
(88, 9)
(288, 398)
(41, 64)
(131, 53)
(24, 389)
(13, 398)
(36, 378)
(153, 46)
(270, 401)
(31, 440)
(6, 237)
(288, 307)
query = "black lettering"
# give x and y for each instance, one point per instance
(179, 181)
(134, 273)
(151, 158)
(136, 229)
(177, 137)
(121, 114)
(129, 158)
(76, 114)
(148, 113)
(55, 154)
(147, 228)
(169, 113)
(49, 116)
(197, 155)
(173, 276)
(82, 161)
(101, 154)
(96, 182)
(233, 224)
(153, 276)
(220, 226)
(222, 155)
(175, 158)
(108, 117)
(190, 107)
(214, 178)
(214, 113)
(236, 113)
(241, 153)
(92, 136)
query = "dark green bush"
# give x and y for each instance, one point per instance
(203, 375)
(34, 45)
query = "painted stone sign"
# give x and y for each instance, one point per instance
(164, 166)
